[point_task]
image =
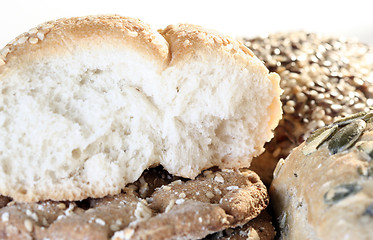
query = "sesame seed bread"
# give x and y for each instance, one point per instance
(323, 190)
(87, 104)
(155, 207)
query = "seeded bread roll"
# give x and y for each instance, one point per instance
(324, 189)
(323, 78)
(88, 103)
(156, 207)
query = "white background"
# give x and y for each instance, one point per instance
(352, 18)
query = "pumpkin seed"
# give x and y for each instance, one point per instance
(346, 120)
(319, 139)
(346, 137)
(341, 192)
(366, 148)
(368, 117)
(366, 171)
(282, 220)
(316, 133)
(369, 211)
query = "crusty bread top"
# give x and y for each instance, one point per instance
(106, 97)
(185, 39)
(60, 35)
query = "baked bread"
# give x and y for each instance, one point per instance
(87, 104)
(260, 228)
(323, 190)
(157, 206)
(323, 77)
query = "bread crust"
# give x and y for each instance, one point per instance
(186, 40)
(60, 37)
(321, 195)
(155, 207)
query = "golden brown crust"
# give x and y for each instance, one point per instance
(190, 213)
(260, 228)
(186, 40)
(63, 36)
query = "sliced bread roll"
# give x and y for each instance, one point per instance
(87, 104)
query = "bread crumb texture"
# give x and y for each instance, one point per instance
(87, 104)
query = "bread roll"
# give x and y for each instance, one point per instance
(324, 189)
(88, 103)
(324, 78)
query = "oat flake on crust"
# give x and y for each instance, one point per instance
(159, 206)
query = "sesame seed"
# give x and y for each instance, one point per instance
(230, 188)
(288, 109)
(40, 36)
(44, 221)
(114, 227)
(4, 51)
(182, 195)
(218, 178)
(217, 191)
(133, 187)
(33, 40)
(128, 233)
(210, 194)
(100, 221)
(224, 220)
(28, 225)
(177, 182)
(21, 40)
(61, 206)
(186, 43)
(170, 205)
(179, 201)
(5, 217)
(217, 40)
(132, 34)
(32, 215)
(33, 31)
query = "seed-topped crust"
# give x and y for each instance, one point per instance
(158, 206)
(186, 39)
(61, 37)
(260, 228)
(314, 191)
(324, 78)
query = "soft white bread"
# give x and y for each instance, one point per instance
(88, 103)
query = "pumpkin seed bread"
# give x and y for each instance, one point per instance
(323, 77)
(324, 188)
(158, 206)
